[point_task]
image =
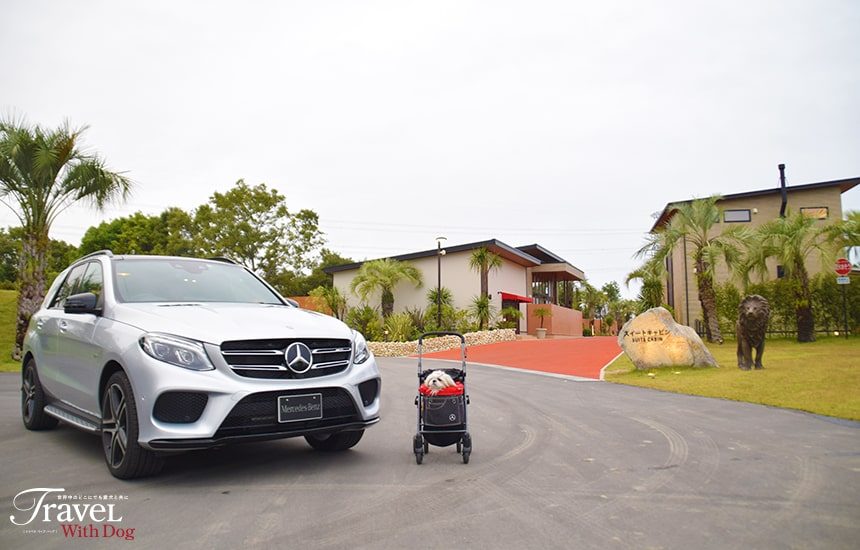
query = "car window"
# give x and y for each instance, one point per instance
(69, 285)
(176, 280)
(92, 280)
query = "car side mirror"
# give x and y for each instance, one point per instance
(86, 302)
(292, 302)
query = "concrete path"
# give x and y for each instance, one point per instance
(579, 357)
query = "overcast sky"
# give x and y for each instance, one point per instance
(563, 123)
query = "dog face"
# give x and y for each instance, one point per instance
(438, 380)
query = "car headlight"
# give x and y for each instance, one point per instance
(360, 353)
(177, 351)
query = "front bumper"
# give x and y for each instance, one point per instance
(206, 443)
(227, 391)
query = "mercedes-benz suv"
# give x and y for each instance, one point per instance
(163, 354)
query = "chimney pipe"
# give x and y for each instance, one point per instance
(782, 191)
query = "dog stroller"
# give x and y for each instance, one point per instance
(442, 417)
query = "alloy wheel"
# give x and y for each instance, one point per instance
(114, 425)
(28, 395)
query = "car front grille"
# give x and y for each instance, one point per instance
(258, 413)
(265, 358)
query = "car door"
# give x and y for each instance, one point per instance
(46, 345)
(80, 359)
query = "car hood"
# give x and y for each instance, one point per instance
(219, 322)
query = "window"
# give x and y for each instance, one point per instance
(92, 280)
(780, 272)
(163, 280)
(69, 285)
(736, 216)
(816, 212)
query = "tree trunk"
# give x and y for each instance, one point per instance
(31, 276)
(803, 307)
(708, 299)
(387, 302)
(485, 281)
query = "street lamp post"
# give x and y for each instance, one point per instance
(439, 254)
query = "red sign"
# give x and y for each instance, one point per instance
(843, 266)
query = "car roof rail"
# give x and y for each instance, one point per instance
(225, 259)
(105, 252)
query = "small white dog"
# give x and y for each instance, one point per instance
(438, 380)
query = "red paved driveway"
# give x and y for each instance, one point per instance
(576, 356)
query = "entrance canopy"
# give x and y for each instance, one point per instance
(507, 296)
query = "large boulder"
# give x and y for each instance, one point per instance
(653, 339)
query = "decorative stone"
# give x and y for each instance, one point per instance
(403, 349)
(753, 315)
(653, 339)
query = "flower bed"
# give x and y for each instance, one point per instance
(401, 349)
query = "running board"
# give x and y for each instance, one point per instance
(72, 419)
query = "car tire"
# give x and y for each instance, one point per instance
(33, 401)
(124, 456)
(339, 441)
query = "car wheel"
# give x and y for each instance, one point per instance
(124, 456)
(339, 441)
(33, 401)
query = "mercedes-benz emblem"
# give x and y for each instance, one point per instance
(298, 357)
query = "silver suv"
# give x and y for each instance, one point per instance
(163, 354)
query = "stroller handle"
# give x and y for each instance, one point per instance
(442, 333)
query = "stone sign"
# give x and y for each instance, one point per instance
(653, 339)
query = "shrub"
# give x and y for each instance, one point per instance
(399, 328)
(365, 320)
(586, 332)
(510, 317)
(782, 296)
(419, 318)
(449, 318)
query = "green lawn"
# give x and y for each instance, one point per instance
(8, 299)
(822, 377)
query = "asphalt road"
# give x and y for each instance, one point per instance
(556, 464)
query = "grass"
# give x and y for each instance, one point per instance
(8, 300)
(821, 377)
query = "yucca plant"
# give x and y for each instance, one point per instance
(482, 310)
(399, 327)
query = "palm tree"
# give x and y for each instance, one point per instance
(482, 261)
(482, 310)
(791, 240)
(591, 300)
(383, 275)
(651, 274)
(43, 172)
(694, 223)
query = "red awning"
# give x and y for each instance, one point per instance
(515, 297)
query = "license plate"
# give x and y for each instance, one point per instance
(295, 408)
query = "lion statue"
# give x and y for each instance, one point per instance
(753, 315)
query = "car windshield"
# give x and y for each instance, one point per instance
(177, 280)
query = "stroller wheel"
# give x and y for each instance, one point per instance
(459, 447)
(426, 447)
(418, 444)
(467, 447)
